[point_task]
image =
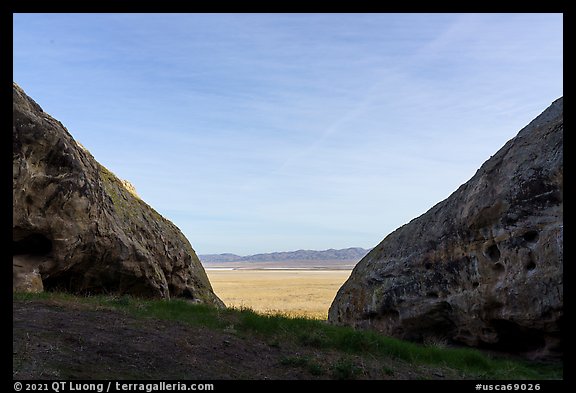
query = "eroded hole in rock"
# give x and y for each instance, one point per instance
(475, 284)
(427, 265)
(83, 279)
(436, 320)
(531, 236)
(432, 295)
(512, 337)
(65, 282)
(493, 252)
(34, 244)
(180, 292)
(531, 265)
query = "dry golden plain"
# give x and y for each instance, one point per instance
(293, 292)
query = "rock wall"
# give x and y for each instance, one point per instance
(484, 266)
(77, 227)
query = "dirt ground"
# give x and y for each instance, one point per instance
(56, 340)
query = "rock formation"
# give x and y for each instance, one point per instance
(484, 266)
(77, 227)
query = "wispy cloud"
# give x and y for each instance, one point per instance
(262, 132)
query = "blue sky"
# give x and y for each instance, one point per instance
(275, 132)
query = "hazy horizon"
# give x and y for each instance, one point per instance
(258, 133)
(300, 249)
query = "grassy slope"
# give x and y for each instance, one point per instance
(310, 333)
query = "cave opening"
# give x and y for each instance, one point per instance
(515, 338)
(34, 244)
(28, 254)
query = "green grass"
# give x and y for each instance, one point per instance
(317, 334)
(345, 368)
(304, 362)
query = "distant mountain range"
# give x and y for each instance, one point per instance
(353, 253)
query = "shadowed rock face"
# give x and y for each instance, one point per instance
(77, 227)
(484, 266)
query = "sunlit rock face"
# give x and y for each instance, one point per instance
(77, 227)
(484, 266)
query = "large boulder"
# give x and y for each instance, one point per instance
(77, 227)
(484, 266)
